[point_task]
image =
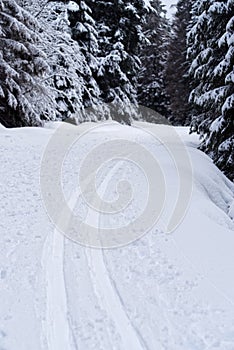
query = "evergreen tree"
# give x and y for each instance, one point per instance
(151, 82)
(22, 65)
(119, 25)
(177, 67)
(66, 61)
(211, 53)
(83, 29)
(221, 133)
(69, 69)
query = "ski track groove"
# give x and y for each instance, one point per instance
(56, 325)
(113, 283)
(106, 292)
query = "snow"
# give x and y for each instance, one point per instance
(72, 6)
(228, 103)
(163, 291)
(231, 210)
(170, 7)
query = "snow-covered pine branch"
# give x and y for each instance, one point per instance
(22, 64)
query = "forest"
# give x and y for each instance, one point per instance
(59, 58)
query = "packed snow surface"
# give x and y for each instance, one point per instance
(164, 291)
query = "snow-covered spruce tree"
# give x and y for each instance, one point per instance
(83, 29)
(68, 66)
(211, 53)
(119, 27)
(151, 82)
(221, 138)
(22, 65)
(178, 83)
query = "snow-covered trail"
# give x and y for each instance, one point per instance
(110, 302)
(107, 295)
(56, 325)
(164, 292)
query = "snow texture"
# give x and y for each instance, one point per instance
(164, 291)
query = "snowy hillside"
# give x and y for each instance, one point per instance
(164, 291)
